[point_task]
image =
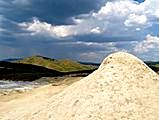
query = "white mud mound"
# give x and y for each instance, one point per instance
(123, 88)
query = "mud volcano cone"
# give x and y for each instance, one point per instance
(123, 88)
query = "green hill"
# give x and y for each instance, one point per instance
(64, 65)
(25, 72)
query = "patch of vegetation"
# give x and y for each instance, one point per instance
(64, 65)
(25, 72)
(33, 68)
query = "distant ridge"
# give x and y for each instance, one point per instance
(24, 72)
(90, 63)
(64, 65)
(10, 59)
(35, 67)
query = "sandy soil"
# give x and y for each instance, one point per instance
(123, 88)
(30, 101)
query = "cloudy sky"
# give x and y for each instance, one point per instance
(83, 30)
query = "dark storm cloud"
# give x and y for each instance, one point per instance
(140, 1)
(102, 38)
(15, 42)
(51, 11)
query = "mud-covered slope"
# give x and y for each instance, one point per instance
(123, 88)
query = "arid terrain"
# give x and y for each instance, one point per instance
(31, 100)
(123, 88)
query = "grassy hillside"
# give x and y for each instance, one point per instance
(64, 65)
(24, 72)
(35, 67)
